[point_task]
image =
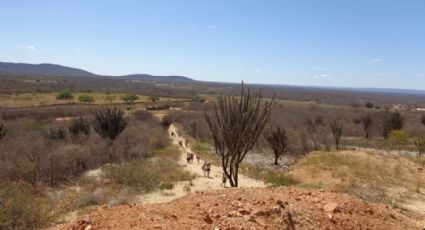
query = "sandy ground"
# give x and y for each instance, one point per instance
(201, 182)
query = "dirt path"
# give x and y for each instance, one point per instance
(201, 183)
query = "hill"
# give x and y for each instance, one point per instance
(147, 77)
(53, 70)
(42, 69)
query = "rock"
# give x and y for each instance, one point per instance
(208, 219)
(332, 207)
(88, 227)
(259, 213)
(243, 211)
(252, 218)
(217, 216)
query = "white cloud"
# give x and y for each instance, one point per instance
(375, 60)
(321, 76)
(212, 27)
(28, 47)
(320, 68)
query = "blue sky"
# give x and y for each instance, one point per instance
(357, 43)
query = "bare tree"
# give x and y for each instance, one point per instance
(109, 122)
(166, 121)
(278, 141)
(420, 145)
(336, 127)
(391, 121)
(3, 130)
(423, 119)
(236, 124)
(367, 122)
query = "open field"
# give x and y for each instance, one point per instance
(17, 100)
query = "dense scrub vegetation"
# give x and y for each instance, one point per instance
(40, 157)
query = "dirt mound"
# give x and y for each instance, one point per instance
(252, 208)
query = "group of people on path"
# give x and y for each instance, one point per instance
(206, 167)
(190, 156)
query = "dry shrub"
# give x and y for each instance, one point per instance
(21, 208)
(147, 175)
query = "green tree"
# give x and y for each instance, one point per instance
(65, 95)
(369, 104)
(154, 99)
(130, 98)
(86, 98)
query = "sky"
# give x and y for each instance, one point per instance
(348, 43)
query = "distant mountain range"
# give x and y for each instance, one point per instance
(64, 71)
(42, 69)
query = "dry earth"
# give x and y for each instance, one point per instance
(252, 208)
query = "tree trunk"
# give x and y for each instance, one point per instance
(51, 172)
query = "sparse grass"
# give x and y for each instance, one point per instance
(22, 208)
(277, 179)
(371, 177)
(345, 166)
(148, 175)
(419, 160)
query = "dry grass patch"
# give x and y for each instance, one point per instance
(371, 176)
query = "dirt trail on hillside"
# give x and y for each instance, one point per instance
(201, 183)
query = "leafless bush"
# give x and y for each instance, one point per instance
(54, 132)
(166, 121)
(143, 115)
(337, 127)
(420, 145)
(391, 121)
(3, 130)
(367, 122)
(278, 141)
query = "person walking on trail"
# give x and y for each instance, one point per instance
(191, 158)
(198, 158)
(204, 168)
(188, 157)
(172, 134)
(223, 180)
(186, 143)
(208, 169)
